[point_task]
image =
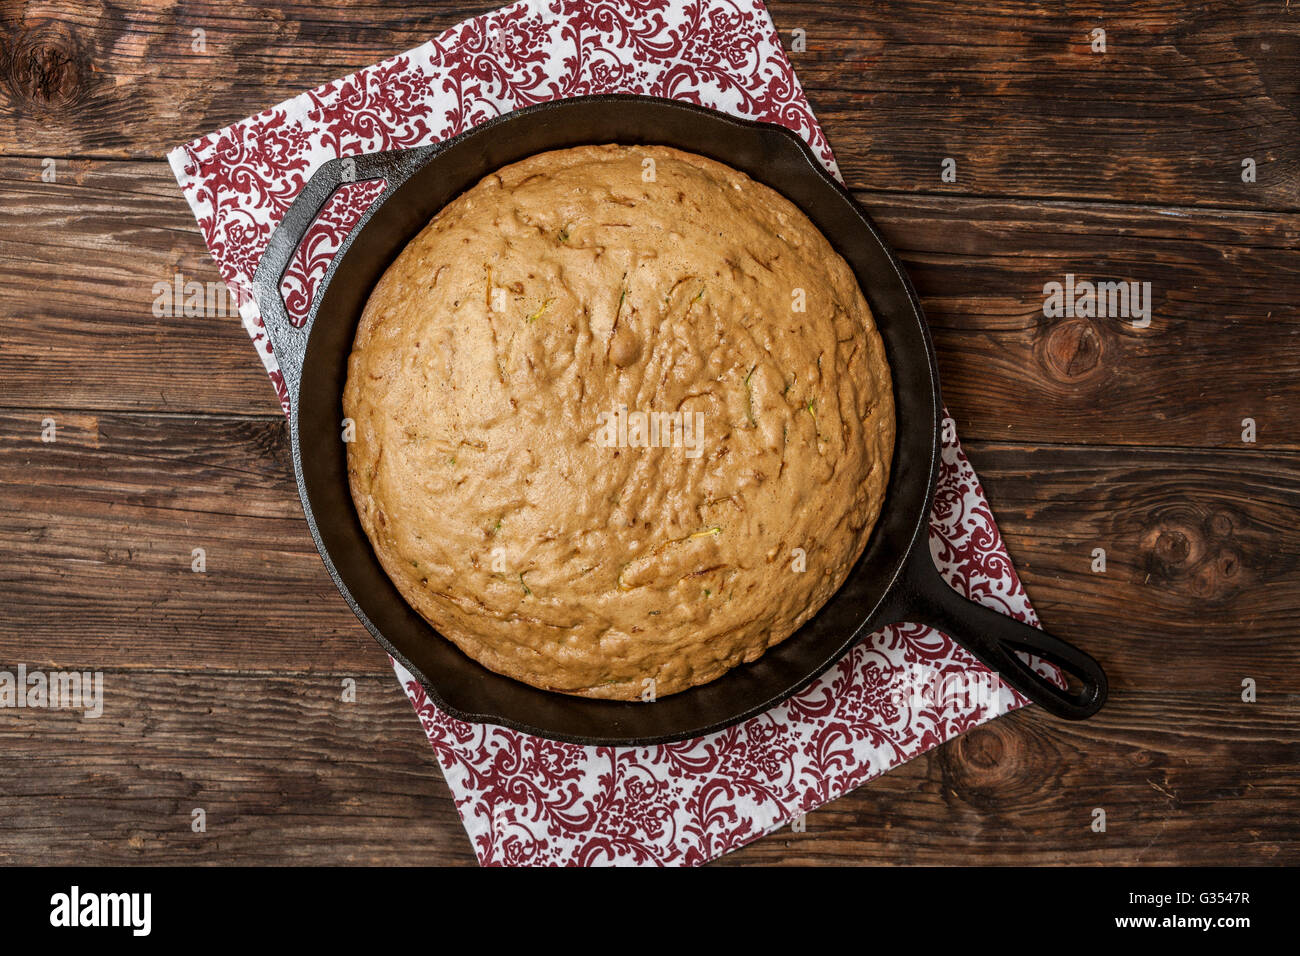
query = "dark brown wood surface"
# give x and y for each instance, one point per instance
(224, 687)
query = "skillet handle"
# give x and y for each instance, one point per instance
(994, 638)
(288, 341)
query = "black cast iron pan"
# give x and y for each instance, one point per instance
(895, 580)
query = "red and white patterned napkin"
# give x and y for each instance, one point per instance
(524, 799)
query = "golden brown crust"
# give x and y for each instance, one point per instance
(573, 284)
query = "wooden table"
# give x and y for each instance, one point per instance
(223, 688)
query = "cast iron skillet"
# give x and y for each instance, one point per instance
(894, 581)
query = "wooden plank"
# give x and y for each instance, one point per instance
(284, 770)
(1012, 92)
(1193, 779)
(97, 530)
(1202, 558)
(79, 262)
(1223, 285)
(1222, 343)
(1015, 94)
(288, 773)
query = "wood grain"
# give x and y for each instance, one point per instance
(1202, 552)
(79, 262)
(1221, 284)
(1219, 295)
(287, 773)
(284, 770)
(99, 533)
(1190, 779)
(1013, 92)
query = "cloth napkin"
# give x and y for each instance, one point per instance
(525, 799)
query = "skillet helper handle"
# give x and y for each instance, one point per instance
(288, 341)
(995, 638)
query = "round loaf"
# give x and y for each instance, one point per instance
(623, 421)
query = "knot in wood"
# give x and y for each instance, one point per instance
(42, 70)
(1073, 350)
(989, 765)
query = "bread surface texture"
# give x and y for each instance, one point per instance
(623, 421)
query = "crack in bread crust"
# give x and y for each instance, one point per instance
(500, 470)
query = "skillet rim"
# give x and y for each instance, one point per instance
(883, 611)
